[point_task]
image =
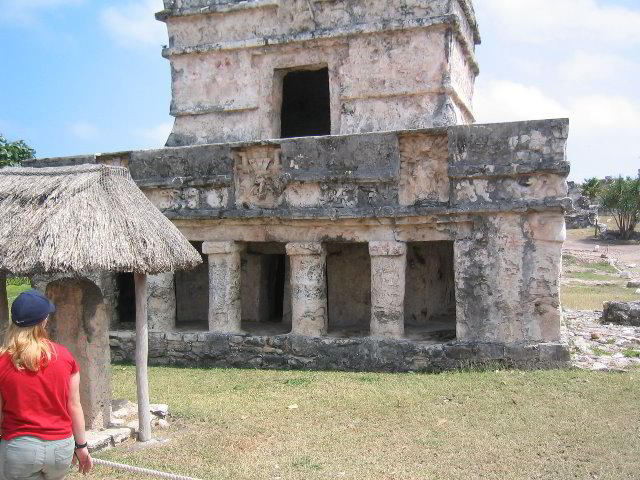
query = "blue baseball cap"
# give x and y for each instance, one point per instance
(30, 308)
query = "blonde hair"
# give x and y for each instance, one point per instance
(29, 347)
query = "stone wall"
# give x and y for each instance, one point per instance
(480, 238)
(391, 65)
(581, 219)
(328, 353)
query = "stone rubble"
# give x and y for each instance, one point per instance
(600, 346)
(123, 424)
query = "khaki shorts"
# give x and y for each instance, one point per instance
(30, 458)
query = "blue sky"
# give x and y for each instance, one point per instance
(83, 76)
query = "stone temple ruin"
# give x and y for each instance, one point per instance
(349, 213)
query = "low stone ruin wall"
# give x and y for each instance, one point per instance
(622, 313)
(205, 349)
(581, 219)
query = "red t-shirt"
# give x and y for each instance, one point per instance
(35, 403)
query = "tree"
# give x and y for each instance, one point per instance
(622, 197)
(12, 153)
(592, 187)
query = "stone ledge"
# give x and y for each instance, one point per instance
(216, 248)
(379, 249)
(382, 27)
(207, 349)
(306, 248)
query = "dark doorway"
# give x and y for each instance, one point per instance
(126, 298)
(266, 302)
(275, 295)
(192, 295)
(430, 302)
(348, 289)
(305, 104)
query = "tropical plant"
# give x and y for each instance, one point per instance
(12, 153)
(591, 188)
(622, 197)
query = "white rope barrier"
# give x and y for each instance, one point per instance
(144, 471)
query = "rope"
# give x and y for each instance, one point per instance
(144, 471)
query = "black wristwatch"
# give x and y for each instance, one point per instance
(81, 445)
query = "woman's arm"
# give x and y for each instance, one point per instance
(77, 424)
(1, 405)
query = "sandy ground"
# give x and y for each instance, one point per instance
(624, 252)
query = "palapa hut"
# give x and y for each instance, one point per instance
(78, 220)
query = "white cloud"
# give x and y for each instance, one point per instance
(134, 25)
(605, 112)
(28, 12)
(593, 68)
(154, 137)
(550, 21)
(505, 101)
(84, 130)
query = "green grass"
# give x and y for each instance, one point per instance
(13, 290)
(600, 352)
(587, 297)
(591, 276)
(631, 353)
(236, 424)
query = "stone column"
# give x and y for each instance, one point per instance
(161, 304)
(224, 286)
(388, 266)
(308, 288)
(80, 323)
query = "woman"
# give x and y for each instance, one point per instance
(40, 412)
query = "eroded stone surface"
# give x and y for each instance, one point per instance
(80, 324)
(330, 353)
(308, 288)
(390, 66)
(388, 266)
(622, 313)
(224, 286)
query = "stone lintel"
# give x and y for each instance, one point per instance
(387, 248)
(306, 248)
(219, 248)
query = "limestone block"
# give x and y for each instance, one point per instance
(308, 288)
(388, 267)
(80, 324)
(161, 305)
(622, 313)
(423, 169)
(224, 286)
(508, 279)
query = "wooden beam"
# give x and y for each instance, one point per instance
(142, 353)
(4, 305)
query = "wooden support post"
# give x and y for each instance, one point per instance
(4, 305)
(142, 353)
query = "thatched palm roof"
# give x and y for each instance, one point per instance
(84, 218)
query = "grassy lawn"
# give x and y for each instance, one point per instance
(591, 297)
(586, 297)
(13, 290)
(251, 424)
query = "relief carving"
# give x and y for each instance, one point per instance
(259, 180)
(423, 169)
